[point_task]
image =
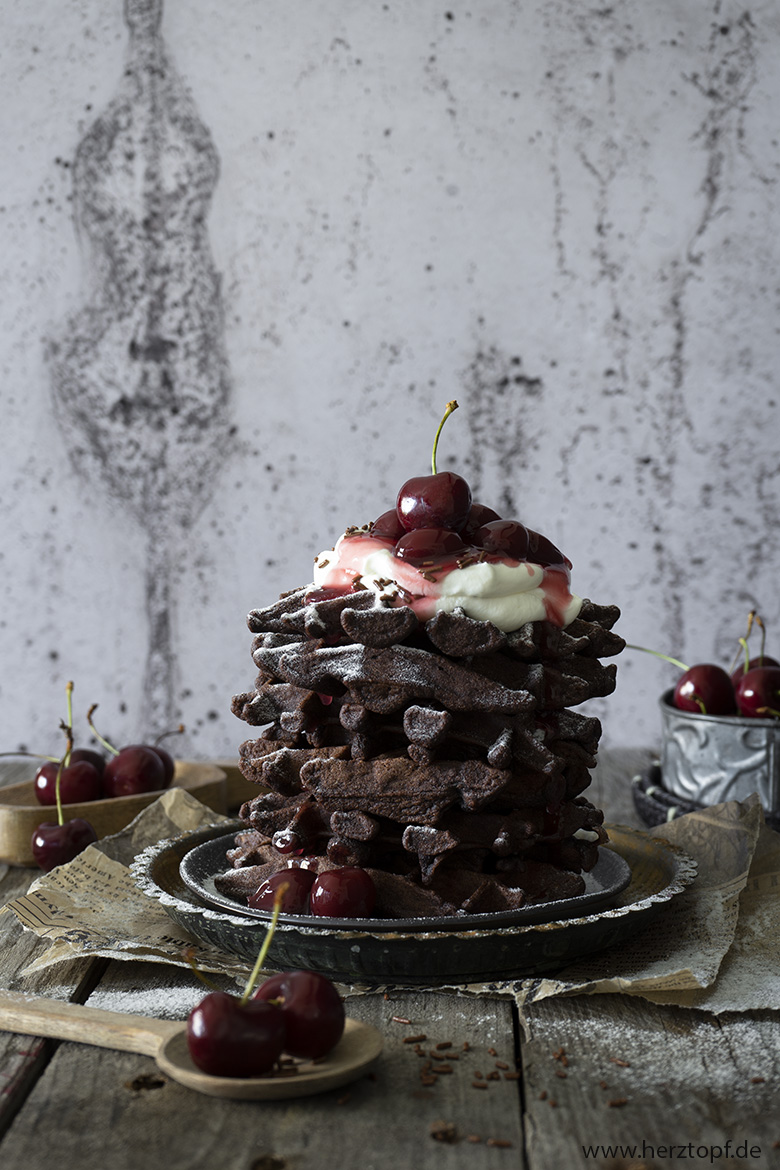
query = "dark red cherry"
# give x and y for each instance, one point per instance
(295, 899)
(429, 544)
(505, 538)
(288, 842)
(90, 757)
(478, 515)
(434, 501)
(542, 551)
(78, 782)
(168, 763)
(136, 769)
(758, 693)
(387, 526)
(54, 844)
(229, 1039)
(312, 1008)
(760, 661)
(348, 892)
(705, 689)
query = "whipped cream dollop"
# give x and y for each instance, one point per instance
(505, 592)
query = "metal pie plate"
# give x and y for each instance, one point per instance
(203, 863)
(428, 952)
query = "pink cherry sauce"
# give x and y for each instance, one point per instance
(419, 586)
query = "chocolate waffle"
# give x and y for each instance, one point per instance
(440, 755)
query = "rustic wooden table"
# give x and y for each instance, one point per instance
(640, 1085)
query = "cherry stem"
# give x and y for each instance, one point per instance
(176, 731)
(762, 627)
(768, 711)
(189, 955)
(278, 895)
(742, 641)
(451, 406)
(68, 729)
(744, 644)
(114, 751)
(657, 654)
(32, 756)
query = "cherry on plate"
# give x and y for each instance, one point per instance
(348, 892)
(287, 841)
(229, 1039)
(294, 900)
(312, 1008)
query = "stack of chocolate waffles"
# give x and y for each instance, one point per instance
(440, 756)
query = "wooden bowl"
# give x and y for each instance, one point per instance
(20, 812)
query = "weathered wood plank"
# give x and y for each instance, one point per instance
(22, 1059)
(673, 1078)
(114, 1109)
(687, 1079)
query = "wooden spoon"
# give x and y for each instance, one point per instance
(166, 1041)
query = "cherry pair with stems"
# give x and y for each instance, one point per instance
(752, 690)
(299, 1013)
(81, 776)
(435, 520)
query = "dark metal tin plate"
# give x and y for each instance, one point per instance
(432, 952)
(204, 862)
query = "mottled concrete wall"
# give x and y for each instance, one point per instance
(564, 215)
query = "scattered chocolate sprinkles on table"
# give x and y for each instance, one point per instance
(443, 1131)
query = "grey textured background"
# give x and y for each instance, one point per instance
(564, 215)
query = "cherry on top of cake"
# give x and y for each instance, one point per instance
(435, 530)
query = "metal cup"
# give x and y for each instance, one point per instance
(711, 758)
